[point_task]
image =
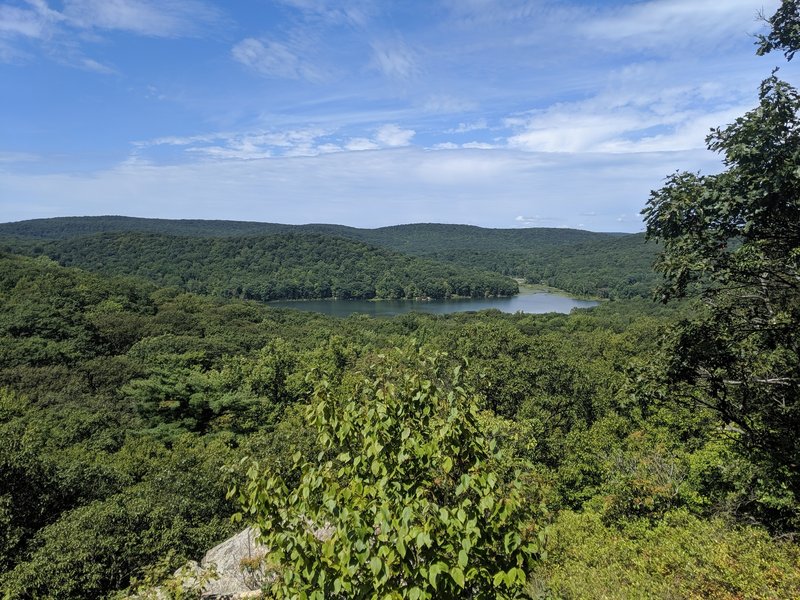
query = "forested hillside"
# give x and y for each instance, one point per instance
(632, 450)
(121, 402)
(582, 262)
(401, 237)
(271, 267)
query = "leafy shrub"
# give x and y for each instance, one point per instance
(405, 500)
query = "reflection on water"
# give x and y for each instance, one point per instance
(527, 302)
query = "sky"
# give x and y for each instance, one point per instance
(498, 113)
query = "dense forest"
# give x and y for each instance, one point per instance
(638, 449)
(122, 402)
(581, 262)
(283, 266)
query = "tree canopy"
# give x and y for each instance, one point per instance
(734, 238)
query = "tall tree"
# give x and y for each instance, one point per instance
(734, 238)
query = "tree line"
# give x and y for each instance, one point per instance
(273, 267)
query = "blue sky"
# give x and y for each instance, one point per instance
(500, 113)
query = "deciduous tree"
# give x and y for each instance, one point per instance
(734, 239)
(406, 499)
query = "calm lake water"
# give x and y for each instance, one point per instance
(526, 301)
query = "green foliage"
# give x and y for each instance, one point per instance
(45, 316)
(176, 505)
(785, 30)
(680, 557)
(120, 402)
(736, 235)
(162, 582)
(272, 267)
(404, 501)
(581, 262)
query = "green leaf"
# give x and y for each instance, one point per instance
(433, 573)
(462, 559)
(447, 464)
(510, 577)
(458, 576)
(375, 565)
(498, 579)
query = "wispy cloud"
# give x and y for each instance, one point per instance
(259, 144)
(370, 188)
(354, 12)
(496, 11)
(274, 59)
(157, 18)
(301, 49)
(666, 24)
(17, 21)
(534, 221)
(90, 64)
(62, 34)
(446, 104)
(479, 145)
(394, 59)
(360, 144)
(635, 114)
(478, 125)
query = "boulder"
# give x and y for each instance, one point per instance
(235, 568)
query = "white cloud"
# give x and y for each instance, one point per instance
(479, 145)
(274, 59)
(363, 189)
(358, 144)
(478, 125)
(242, 151)
(157, 18)
(666, 24)
(328, 148)
(355, 12)
(636, 113)
(17, 21)
(247, 145)
(90, 64)
(394, 59)
(256, 144)
(442, 103)
(393, 136)
(172, 140)
(534, 221)
(567, 128)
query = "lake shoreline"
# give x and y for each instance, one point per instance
(530, 300)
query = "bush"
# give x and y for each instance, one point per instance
(405, 500)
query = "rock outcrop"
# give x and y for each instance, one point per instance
(234, 569)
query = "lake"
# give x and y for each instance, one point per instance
(526, 301)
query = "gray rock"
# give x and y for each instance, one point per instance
(237, 567)
(232, 570)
